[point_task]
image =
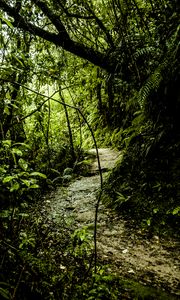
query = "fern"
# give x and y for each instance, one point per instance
(161, 72)
(143, 51)
(151, 85)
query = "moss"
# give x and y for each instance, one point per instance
(142, 292)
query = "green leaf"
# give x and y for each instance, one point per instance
(6, 110)
(26, 182)
(4, 293)
(18, 60)
(4, 290)
(23, 164)
(176, 210)
(5, 213)
(24, 205)
(38, 174)
(8, 179)
(25, 174)
(15, 187)
(7, 22)
(14, 105)
(2, 170)
(121, 197)
(34, 186)
(8, 96)
(24, 215)
(6, 143)
(22, 144)
(17, 151)
(148, 222)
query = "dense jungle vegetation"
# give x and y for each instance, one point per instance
(69, 70)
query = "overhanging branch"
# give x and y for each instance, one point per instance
(61, 39)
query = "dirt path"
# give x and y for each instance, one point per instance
(127, 251)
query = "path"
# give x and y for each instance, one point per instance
(128, 251)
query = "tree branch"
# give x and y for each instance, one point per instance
(61, 39)
(102, 27)
(55, 19)
(92, 17)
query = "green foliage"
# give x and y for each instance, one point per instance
(4, 292)
(169, 62)
(82, 243)
(104, 286)
(16, 175)
(144, 184)
(128, 91)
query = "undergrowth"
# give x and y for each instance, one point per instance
(145, 184)
(46, 260)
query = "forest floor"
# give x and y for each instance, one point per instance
(127, 250)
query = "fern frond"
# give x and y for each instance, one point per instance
(151, 85)
(161, 72)
(143, 51)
